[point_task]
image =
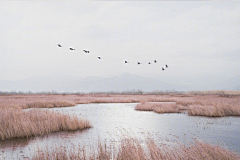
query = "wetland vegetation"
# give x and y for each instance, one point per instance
(135, 149)
(25, 115)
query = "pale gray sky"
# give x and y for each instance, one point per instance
(196, 39)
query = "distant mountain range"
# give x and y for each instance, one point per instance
(123, 82)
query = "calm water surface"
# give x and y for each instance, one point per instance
(112, 120)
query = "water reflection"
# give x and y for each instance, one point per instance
(110, 121)
(14, 143)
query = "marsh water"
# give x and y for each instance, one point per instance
(113, 120)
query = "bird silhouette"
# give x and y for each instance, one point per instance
(86, 51)
(163, 69)
(149, 63)
(166, 66)
(126, 62)
(155, 61)
(139, 63)
(59, 45)
(72, 49)
(99, 57)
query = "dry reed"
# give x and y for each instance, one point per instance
(132, 149)
(166, 108)
(210, 106)
(216, 104)
(160, 107)
(48, 104)
(16, 123)
(144, 106)
(215, 108)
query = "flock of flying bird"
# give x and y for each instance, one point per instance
(125, 62)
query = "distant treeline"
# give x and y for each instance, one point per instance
(131, 92)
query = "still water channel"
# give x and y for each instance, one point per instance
(112, 120)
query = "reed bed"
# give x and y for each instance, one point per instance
(132, 149)
(48, 101)
(144, 106)
(160, 107)
(48, 104)
(215, 104)
(16, 123)
(215, 108)
(167, 108)
(210, 106)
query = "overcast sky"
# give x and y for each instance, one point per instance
(196, 39)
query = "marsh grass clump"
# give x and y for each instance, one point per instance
(215, 108)
(130, 148)
(207, 105)
(166, 108)
(197, 150)
(16, 123)
(206, 110)
(144, 106)
(212, 104)
(50, 104)
(162, 107)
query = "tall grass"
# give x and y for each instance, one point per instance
(167, 108)
(145, 106)
(132, 149)
(160, 107)
(49, 101)
(48, 104)
(210, 106)
(215, 108)
(16, 123)
(197, 105)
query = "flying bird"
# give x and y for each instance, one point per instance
(149, 63)
(99, 57)
(166, 66)
(72, 49)
(139, 63)
(163, 69)
(155, 61)
(86, 51)
(126, 62)
(59, 45)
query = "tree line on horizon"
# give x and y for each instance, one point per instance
(131, 92)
